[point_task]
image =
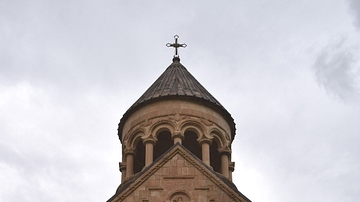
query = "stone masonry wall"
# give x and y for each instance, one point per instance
(178, 180)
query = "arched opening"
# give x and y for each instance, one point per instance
(139, 159)
(215, 159)
(163, 143)
(179, 197)
(192, 144)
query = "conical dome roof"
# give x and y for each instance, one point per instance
(176, 80)
(177, 83)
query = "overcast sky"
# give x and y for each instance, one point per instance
(287, 71)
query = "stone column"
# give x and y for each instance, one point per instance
(225, 153)
(231, 169)
(149, 150)
(205, 147)
(177, 137)
(129, 155)
(122, 168)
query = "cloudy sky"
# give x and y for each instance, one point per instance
(287, 71)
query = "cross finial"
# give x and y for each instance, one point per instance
(176, 45)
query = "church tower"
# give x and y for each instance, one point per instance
(176, 143)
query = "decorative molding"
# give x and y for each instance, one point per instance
(149, 139)
(155, 188)
(176, 119)
(122, 166)
(146, 123)
(206, 122)
(202, 188)
(179, 196)
(175, 177)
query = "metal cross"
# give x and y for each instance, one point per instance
(176, 45)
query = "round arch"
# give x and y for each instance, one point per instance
(161, 132)
(137, 144)
(217, 143)
(160, 127)
(194, 126)
(218, 136)
(179, 196)
(135, 137)
(193, 132)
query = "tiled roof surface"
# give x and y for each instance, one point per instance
(176, 80)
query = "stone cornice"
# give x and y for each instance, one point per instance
(143, 124)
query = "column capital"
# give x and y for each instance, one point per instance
(232, 166)
(225, 150)
(130, 151)
(177, 134)
(149, 139)
(122, 166)
(205, 141)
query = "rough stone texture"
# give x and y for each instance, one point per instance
(178, 176)
(177, 117)
(168, 108)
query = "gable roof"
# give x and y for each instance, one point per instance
(177, 83)
(127, 187)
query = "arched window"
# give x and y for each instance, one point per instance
(215, 160)
(139, 160)
(163, 143)
(192, 144)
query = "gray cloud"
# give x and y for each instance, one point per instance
(355, 8)
(70, 69)
(337, 68)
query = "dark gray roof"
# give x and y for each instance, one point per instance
(176, 80)
(177, 83)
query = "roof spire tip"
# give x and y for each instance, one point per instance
(176, 59)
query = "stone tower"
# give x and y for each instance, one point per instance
(176, 144)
